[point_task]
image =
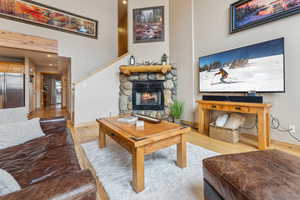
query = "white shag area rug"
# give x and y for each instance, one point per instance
(163, 179)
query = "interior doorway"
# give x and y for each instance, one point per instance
(52, 90)
(122, 27)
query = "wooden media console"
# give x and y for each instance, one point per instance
(260, 109)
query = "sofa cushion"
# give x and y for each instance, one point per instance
(17, 160)
(78, 185)
(267, 175)
(53, 125)
(7, 183)
(56, 162)
(13, 134)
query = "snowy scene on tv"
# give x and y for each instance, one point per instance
(258, 67)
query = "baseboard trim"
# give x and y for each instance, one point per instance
(93, 123)
(191, 124)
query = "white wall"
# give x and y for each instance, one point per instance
(148, 51)
(181, 52)
(87, 54)
(98, 96)
(211, 35)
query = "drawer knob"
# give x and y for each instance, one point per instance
(238, 108)
(213, 106)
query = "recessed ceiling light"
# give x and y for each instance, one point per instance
(49, 56)
(50, 64)
(124, 2)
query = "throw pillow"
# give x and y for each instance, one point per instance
(13, 134)
(7, 183)
(235, 121)
(12, 115)
(221, 120)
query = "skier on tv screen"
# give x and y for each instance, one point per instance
(223, 73)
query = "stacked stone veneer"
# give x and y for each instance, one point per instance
(170, 92)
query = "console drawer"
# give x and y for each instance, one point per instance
(241, 109)
(212, 107)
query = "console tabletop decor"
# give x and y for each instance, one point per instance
(260, 109)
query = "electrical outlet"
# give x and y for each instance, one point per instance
(292, 128)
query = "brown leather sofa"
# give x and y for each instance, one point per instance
(259, 175)
(47, 167)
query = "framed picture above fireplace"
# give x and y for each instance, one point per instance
(148, 24)
(35, 13)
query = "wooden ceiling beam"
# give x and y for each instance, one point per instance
(28, 42)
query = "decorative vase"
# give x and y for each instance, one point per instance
(177, 121)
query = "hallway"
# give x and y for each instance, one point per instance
(49, 112)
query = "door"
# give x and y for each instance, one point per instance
(2, 90)
(14, 90)
(58, 92)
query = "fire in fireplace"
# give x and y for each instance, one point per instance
(148, 95)
(150, 98)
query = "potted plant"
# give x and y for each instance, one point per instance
(176, 111)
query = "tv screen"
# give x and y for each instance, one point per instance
(258, 67)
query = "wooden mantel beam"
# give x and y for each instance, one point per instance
(28, 42)
(129, 69)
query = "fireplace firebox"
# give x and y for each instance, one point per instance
(148, 95)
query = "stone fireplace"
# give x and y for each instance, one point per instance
(150, 94)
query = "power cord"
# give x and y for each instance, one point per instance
(275, 124)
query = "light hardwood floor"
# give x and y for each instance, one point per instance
(247, 143)
(49, 112)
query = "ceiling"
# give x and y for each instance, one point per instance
(40, 59)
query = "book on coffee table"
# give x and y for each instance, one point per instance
(128, 120)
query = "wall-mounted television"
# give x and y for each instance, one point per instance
(259, 67)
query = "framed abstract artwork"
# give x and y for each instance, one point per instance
(31, 12)
(148, 24)
(246, 14)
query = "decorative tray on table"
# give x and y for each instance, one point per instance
(148, 119)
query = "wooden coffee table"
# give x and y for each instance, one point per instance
(140, 142)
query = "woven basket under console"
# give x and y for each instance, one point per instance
(224, 134)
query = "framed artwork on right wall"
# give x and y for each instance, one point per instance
(246, 14)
